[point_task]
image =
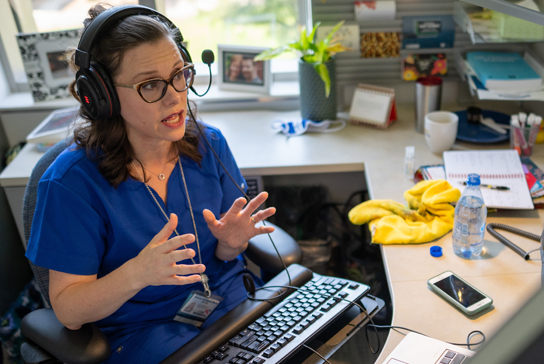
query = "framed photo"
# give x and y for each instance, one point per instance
(239, 71)
(47, 70)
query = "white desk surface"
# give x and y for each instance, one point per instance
(500, 273)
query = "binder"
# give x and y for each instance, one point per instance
(373, 105)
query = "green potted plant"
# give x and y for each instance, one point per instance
(317, 73)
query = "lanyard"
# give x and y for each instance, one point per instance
(203, 277)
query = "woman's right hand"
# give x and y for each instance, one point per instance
(156, 264)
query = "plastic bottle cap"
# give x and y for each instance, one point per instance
(473, 179)
(436, 251)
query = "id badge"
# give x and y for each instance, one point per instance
(197, 308)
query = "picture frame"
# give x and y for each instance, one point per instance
(58, 125)
(250, 76)
(48, 74)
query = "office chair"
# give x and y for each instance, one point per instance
(49, 341)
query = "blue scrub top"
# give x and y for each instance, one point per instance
(83, 225)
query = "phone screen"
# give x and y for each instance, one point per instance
(459, 291)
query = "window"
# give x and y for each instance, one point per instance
(204, 24)
(207, 23)
(51, 15)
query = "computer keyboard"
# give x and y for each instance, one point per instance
(281, 332)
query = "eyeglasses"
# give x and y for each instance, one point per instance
(154, 89)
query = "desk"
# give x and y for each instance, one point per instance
(502, 274)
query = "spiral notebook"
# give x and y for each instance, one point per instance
(373, 105)
(496, 168)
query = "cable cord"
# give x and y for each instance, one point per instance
(247, 199)
(316, 353)
(469, 336)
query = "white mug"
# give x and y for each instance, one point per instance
(440, 130)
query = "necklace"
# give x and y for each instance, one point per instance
(161, 176)
(203, 277)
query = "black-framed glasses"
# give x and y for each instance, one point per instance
(154, 89)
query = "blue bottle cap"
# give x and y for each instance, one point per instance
(436, 251)
(473, 179)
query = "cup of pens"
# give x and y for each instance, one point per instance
(523, 132)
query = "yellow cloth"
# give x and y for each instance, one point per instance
(429, 214)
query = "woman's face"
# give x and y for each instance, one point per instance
(151, 125)
(234, 70)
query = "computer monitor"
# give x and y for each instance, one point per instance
(520, 340)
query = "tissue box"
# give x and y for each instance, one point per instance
(515, 28)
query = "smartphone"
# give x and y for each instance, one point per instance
(460, 293)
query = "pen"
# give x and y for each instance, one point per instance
(502, 188)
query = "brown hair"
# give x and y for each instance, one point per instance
(106, 140)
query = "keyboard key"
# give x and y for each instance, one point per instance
(289, 337)
(248, 356)
(445, 361)
(221, 356)
(353, 286)
(261, 347)
(223, 348)
(268, 353)
(282, 341)
(208, 359)
(450, 354)
(257, 361)
(248, 342)
(275, 347)
(298, 329)
(254, 346)
(326, 308)
(458, 359)
(343, 294)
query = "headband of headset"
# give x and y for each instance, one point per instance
(101, 24)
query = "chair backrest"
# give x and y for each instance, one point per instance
(29, 206)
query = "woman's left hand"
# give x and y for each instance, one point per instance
(234, 229)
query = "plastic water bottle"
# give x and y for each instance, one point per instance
(469, 220)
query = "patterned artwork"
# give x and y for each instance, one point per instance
(380, 44)
(45, 67)
(417, 65)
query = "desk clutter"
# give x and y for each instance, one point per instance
(527, 178)
(428, 215)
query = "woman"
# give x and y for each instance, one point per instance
(111, 206)
(235, 68)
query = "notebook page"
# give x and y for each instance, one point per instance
(495, 167)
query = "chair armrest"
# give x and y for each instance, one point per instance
(261, 251)
(88, 345)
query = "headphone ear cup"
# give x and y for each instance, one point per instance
(111, 104)
(87, 93)
(97, 93)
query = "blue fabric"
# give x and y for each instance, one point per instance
(82, 225)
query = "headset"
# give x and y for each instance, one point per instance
(94, 86)
(99, 98)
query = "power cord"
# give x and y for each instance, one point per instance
(469, 336)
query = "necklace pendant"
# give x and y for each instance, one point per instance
(162, 176)
(204, 280)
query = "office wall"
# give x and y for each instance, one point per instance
(352, 69)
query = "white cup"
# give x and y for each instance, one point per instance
(440, 130)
